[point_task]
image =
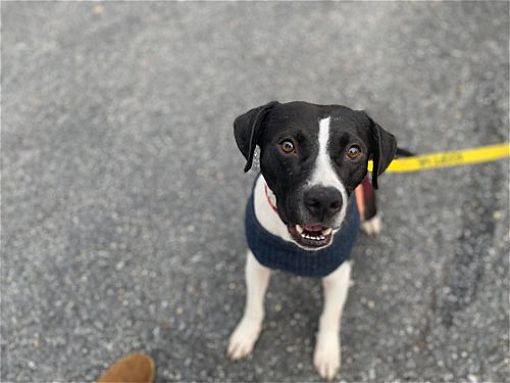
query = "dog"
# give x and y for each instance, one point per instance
(300, 217)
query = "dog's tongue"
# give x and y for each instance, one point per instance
(312, 227)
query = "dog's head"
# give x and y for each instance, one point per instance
(312, 158)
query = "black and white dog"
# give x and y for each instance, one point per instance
(300, 217)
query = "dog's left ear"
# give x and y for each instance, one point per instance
(383, 148)
(247, 130)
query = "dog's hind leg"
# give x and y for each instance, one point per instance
(327, 356)
(247, 331)
(367, 206)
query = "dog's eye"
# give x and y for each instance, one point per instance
(353, 152)
(287, 146)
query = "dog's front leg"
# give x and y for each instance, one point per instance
(247, 331)
(327, 349)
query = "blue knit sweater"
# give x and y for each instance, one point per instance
(276, 253)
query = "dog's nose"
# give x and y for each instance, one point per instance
(323, 202)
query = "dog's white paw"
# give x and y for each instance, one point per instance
(243, 339)
(372, 226)
(326, 358)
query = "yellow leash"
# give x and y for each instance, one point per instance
(447, 159)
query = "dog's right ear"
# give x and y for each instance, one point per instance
(383, 150)
(247, 131)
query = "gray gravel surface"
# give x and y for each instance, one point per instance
(123, 192)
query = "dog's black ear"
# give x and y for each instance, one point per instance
(247, 130)
(383, 149)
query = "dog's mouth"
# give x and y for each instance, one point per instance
(311, 236)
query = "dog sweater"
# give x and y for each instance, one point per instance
(276, 253)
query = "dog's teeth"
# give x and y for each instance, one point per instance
(312, 236)
(327, 231)
(299, 229)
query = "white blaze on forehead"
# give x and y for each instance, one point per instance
(323, 173)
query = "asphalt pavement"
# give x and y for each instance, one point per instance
(123, 191)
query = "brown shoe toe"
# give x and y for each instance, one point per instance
(133, 368)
